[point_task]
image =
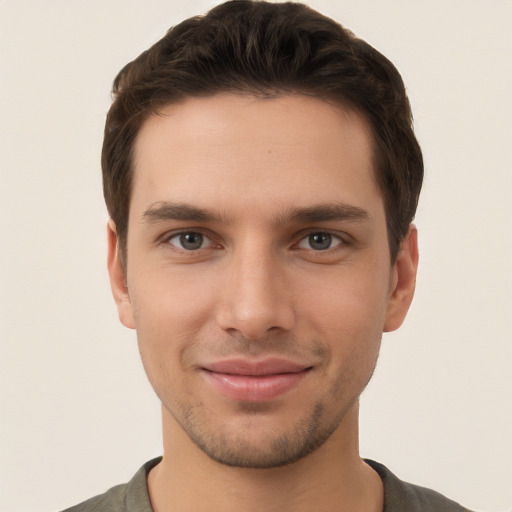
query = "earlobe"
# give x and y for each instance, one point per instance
(117, 276)
(403, 281)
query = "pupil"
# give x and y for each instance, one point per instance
(191, 240)
(320, 241)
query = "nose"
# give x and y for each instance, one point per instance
(255, 299)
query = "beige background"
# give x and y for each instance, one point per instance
(77, 414)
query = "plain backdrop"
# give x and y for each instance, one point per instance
(76, 412)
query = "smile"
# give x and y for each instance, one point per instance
(254, 382)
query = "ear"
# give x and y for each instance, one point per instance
(117, 276)
(403, 281)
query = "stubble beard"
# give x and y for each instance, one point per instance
(269, 448)
(281, 450)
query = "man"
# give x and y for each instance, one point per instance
(261, 174)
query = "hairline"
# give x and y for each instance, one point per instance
(262, 93)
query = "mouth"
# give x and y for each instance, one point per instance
(250, 381)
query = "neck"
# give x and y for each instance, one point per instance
(333, 477)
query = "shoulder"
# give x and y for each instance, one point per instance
(130, 497)
(114, 500)
(403, 496)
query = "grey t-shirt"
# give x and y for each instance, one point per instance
(398, 496)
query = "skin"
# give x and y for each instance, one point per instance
(275, 177)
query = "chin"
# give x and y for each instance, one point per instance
(266, 448)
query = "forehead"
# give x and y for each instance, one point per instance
(236, 149)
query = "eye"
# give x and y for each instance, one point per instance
(319, 241)
(190, 241)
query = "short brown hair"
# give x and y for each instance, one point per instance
(266, 49)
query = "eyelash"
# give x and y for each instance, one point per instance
(342, 240)
(167, 238)
(333, 238)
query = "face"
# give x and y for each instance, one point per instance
(258, 275)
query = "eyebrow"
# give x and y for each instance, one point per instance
(324, 212)
(164, 211)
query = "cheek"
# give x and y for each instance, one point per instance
(349, 317)
(170, 299)
(354, 333)
(350, 300)
(173, 310)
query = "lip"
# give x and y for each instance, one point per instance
(254, 381)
